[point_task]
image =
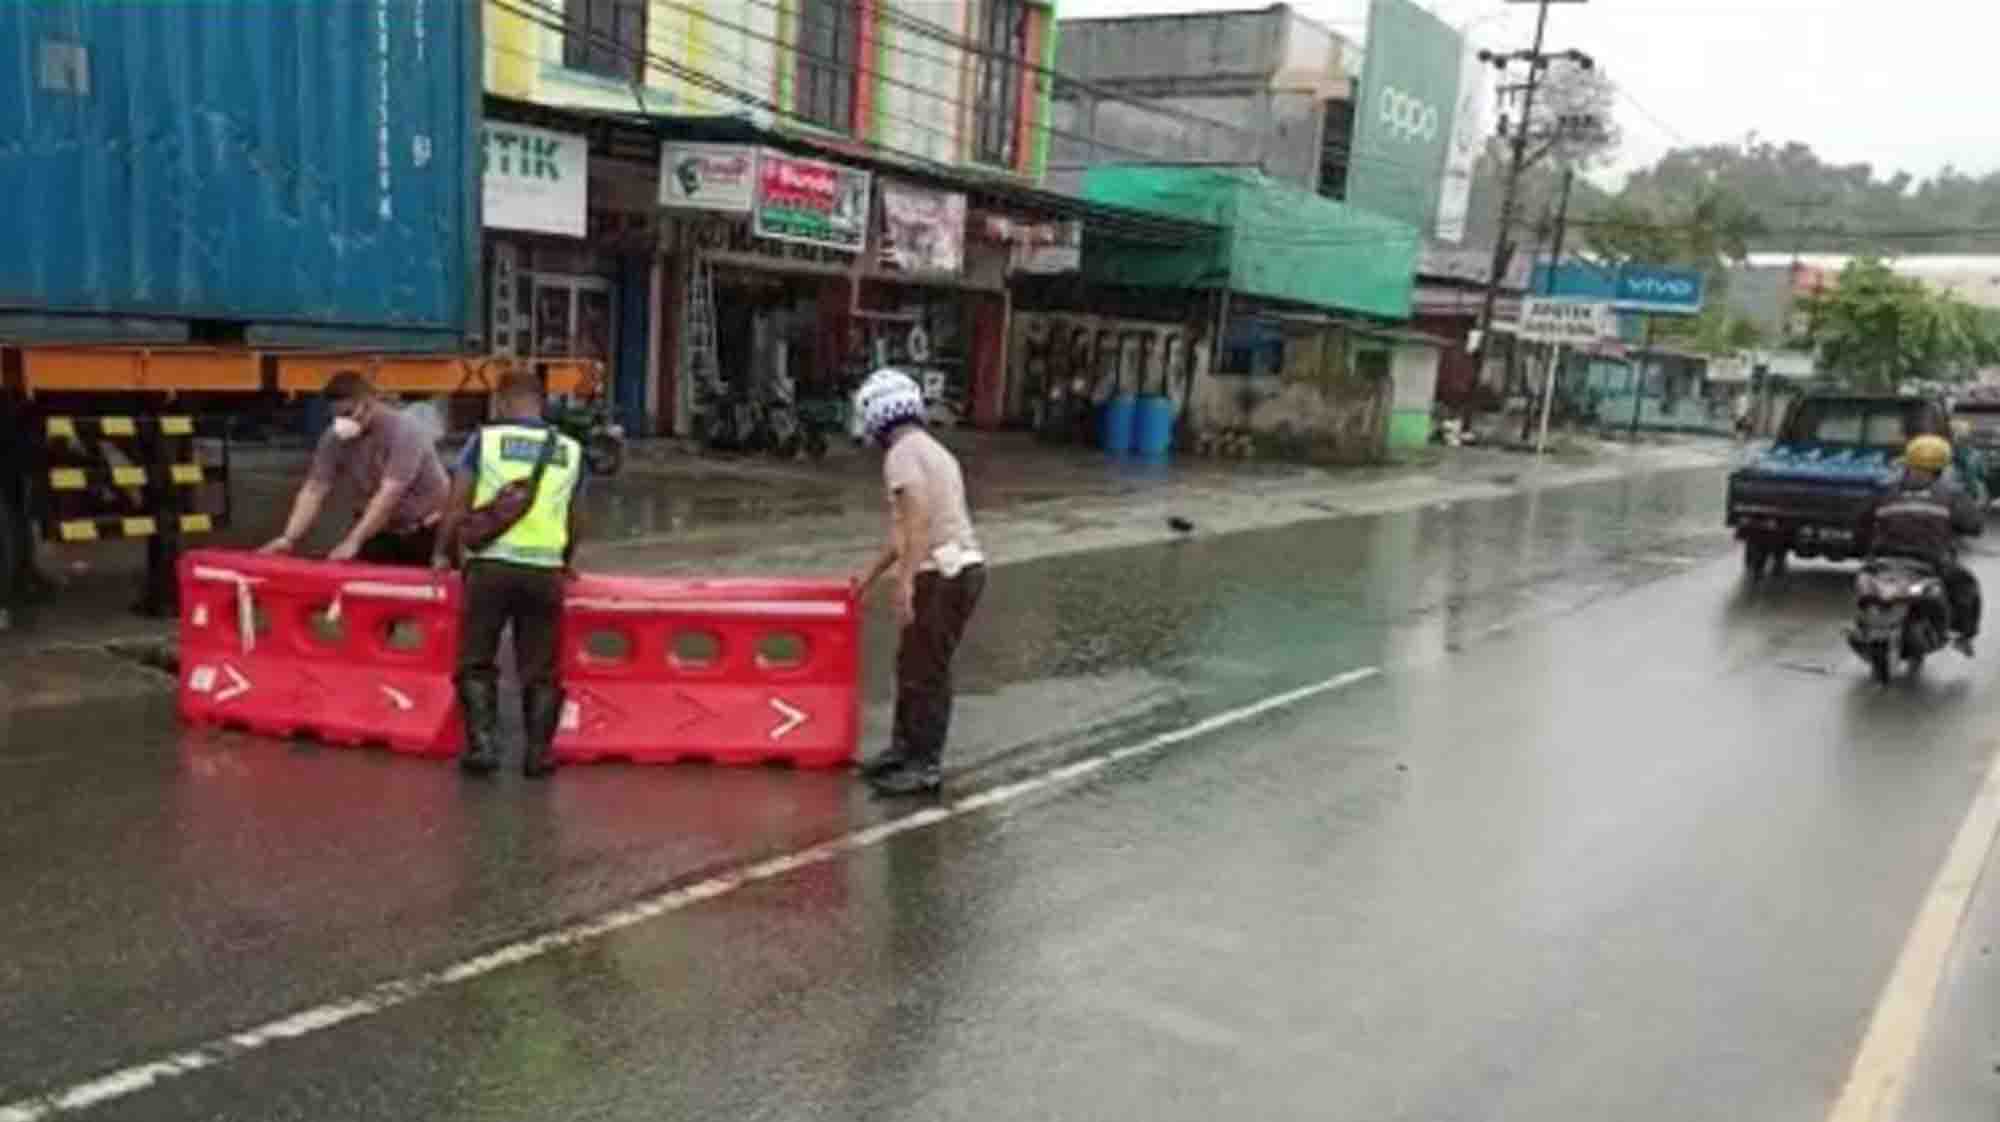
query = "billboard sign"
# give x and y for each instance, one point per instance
(1548, 319)
(923, 231)
(533, 179)
(1468, 139)
(1654, 288)
(717, 177)
(1659, 289)
(812, 202)
(1405, 115)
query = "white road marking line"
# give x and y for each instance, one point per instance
(391, 994)
(1881, 1070)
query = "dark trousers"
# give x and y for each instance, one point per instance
(498, 593)
(923, 660)
(391, 548)
(1962, 589)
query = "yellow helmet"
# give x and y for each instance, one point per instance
(1928, 453)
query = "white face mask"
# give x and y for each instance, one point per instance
(346, 428)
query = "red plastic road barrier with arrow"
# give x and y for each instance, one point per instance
(732, 671)
(346, 654)
(656, 671)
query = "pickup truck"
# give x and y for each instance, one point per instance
(1977, 421)
(1813, 492)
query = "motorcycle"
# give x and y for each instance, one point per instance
(1901, 615)
(589, 423)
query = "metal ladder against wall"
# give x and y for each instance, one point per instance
(698, 356)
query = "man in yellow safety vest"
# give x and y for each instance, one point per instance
(518, 577)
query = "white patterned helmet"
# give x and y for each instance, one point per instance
(888, 398)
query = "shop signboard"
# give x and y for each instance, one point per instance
(1042, 246)
(923, 231)
(715, 177)
(533, 179)
(1547, 319)
(1404, 117)
(811, 202)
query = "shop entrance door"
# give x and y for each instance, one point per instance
(572, 317)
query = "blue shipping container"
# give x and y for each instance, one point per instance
(307, 169)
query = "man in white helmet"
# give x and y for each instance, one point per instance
(939, 572)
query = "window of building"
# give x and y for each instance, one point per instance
(829, 54)
(606, 37)
(1336, 141)
(1003, 70)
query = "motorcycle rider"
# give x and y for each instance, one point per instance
(1921, 520)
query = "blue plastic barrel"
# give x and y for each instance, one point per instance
(1153, 428)
(1115, 432)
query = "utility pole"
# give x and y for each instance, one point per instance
(1503, 248)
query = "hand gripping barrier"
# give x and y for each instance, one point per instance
(347, 654)
(734, 671)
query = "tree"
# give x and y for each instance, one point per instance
(1878, 330)
(1715, 232)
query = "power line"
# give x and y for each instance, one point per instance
(1141, 225)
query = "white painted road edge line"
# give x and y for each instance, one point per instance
(388, 995)
(1881, 1070)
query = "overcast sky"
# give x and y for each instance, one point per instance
(1900, 84)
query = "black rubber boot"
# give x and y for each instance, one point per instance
(541, 715)
(882, 763)
(479, 702)
(914, 776)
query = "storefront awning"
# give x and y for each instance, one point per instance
(994, 191)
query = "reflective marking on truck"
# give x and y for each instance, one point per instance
(78, 530)
(117, 426)
(128, 476)
(177, 426)
(187, 474)
(196, 523)
(139, 527)
(67, 479)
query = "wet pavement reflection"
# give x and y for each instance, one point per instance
(169, 882)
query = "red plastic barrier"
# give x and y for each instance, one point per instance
(734, 671)
(348, 654)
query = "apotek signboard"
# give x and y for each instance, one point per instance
(534, 179)
(1403, 119)
(717, 177)
(1574, 322)
(811, 201)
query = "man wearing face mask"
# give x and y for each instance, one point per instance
(380, 454)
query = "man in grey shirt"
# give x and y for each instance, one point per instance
(383, 458)
(940, 574)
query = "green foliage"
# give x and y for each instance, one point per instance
(1877, 330)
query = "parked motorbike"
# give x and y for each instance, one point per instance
(1901, 614)
(589, 423)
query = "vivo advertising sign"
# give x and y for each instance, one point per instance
(1650, 288)
(1659, 289)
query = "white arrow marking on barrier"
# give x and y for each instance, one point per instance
(237, 687)
(399, 699)
(793, 719)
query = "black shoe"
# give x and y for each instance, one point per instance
(881, 764)
(479, 703)
(541, 715)
(909, 779)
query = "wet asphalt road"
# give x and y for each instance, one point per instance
(1609, 836)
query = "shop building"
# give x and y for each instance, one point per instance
(782, 187)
